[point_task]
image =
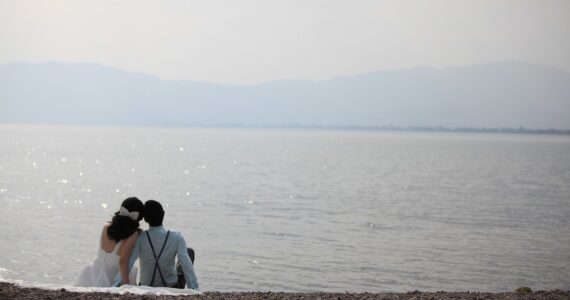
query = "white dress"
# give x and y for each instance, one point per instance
(102, 272)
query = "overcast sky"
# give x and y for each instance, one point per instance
(252, 41)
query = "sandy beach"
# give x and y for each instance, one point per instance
(12, 291)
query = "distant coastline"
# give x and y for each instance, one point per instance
(500, 97)
(502, 130)
(508, 130)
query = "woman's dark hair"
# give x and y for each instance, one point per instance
(123, 226)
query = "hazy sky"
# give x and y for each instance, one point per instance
(260, 40)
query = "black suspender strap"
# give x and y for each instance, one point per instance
(156, 266)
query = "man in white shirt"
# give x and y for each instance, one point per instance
(156, 249)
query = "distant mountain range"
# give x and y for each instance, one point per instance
(494, 95)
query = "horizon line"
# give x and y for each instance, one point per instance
(386, 128)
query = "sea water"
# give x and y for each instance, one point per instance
(297, 210)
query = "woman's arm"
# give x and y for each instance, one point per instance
(125, 253)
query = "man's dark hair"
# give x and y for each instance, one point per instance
(153, 213)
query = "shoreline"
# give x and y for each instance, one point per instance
(14, 291)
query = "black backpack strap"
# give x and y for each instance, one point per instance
(156, 266)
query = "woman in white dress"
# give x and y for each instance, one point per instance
(116, 244)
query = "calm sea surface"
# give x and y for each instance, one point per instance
(297, 210)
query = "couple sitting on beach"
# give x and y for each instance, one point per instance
(123, 242)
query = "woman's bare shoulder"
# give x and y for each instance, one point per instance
(105, 228)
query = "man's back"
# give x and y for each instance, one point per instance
(175, 246)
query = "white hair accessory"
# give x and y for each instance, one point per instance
(126, 213)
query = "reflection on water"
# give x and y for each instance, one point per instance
(297, 210)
